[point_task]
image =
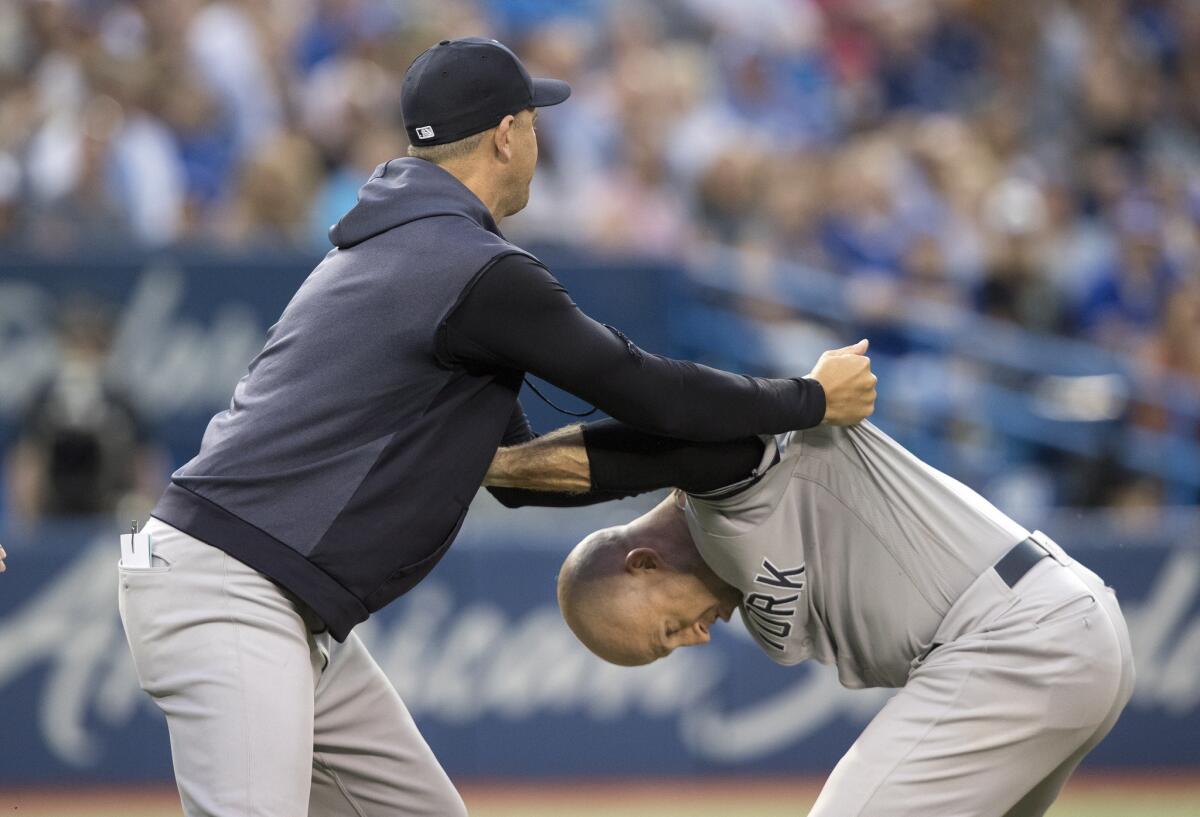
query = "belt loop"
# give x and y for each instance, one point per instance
(1051, 547)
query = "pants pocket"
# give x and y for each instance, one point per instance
(158, 564)
(139, 592)
(1067, 610)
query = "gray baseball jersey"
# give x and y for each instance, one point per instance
(849, 550)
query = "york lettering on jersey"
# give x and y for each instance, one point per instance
(787, 579)
(771, 612)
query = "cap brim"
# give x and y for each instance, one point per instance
(549, 92)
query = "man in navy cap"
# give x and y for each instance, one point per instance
(344, 466)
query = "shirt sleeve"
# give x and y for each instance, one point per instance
(516, 315)
(624, 459)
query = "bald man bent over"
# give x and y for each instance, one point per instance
(1013, 660)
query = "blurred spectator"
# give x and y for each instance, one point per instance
(77, 203)
(1131, 290)
(230, 50)
(790, 208)
(927, 57)
(10, 194)
(926, 274)
(727, 192)
(82, 448)
(1016, 286)
(867, 226)
(274, 189)
(1179, 335)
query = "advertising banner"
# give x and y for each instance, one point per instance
(499, 686)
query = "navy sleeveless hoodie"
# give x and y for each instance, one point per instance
(344, 466)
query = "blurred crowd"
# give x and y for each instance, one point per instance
(1038, 160)
(1035, 160)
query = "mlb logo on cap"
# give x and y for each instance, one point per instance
(424, 132)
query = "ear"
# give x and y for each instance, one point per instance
(698, 633)
(642, 559)
(503, 137)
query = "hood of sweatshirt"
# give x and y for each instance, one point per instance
(406, 190)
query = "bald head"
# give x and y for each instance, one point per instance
(631, 594)
(595, 598)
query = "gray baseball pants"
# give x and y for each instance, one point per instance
(1027, 681)
(267, 716)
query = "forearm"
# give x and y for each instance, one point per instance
(557, 462)
(550, 472)
(690, 401)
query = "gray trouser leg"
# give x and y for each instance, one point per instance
(227, 658)
(249, 691)
(370, 760)
(1038, 801)
(994, 721)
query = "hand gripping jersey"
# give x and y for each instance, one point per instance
(849, 550)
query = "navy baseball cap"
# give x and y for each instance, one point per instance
(462, 87)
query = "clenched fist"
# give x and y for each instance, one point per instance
(849, 385)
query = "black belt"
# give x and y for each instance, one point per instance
(1013, 565)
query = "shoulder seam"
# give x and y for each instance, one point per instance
(439, 340)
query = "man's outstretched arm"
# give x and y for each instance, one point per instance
(515, 315)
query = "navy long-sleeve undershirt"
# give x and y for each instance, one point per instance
(516, 315)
